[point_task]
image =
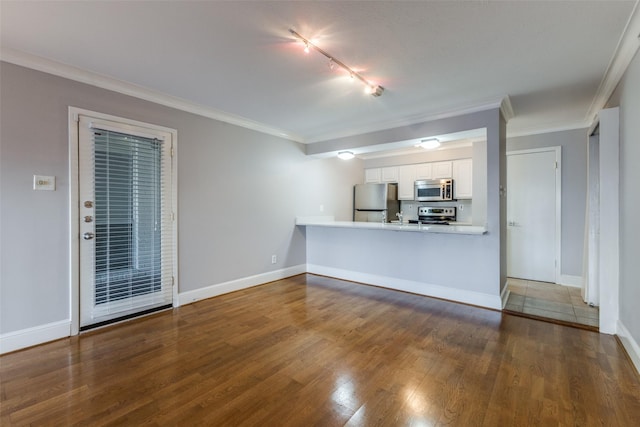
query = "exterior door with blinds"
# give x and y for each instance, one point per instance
(126, 248)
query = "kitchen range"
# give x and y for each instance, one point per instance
(435, 215)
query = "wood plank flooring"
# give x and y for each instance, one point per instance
(311, 350)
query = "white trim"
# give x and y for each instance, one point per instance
(507, 109)
(625, 51)
(630, 345)
(426, 289)
(609, 214)
(74, 202)
(74, 223)
(49, 66)
(238, 284)
(582, 124)
(569, 280)
(504, 295)
(558, 243)
(29, 337)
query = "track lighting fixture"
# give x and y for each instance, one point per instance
(371, 88)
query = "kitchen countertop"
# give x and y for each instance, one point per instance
(329, 221)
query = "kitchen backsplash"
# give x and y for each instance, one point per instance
(409, 209)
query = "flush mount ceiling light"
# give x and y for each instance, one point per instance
(370, 88)
(429, 143)
(346, 155)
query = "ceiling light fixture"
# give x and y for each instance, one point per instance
(372, 88)
(429, 143)
(346, 155)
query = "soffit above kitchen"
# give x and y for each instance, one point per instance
(433, 58)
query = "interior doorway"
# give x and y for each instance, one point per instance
(533, 241)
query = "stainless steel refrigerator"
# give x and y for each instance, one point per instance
(373, 202)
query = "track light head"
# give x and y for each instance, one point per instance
(375, 90)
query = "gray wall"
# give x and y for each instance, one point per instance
(239, 193)
(574, 189)
(627, 97)
(395, 255)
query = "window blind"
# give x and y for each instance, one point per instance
(133, 248)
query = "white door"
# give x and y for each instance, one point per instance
(125, 212)
(532, 214)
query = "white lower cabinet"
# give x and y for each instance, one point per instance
(406, 178)
(462, 174)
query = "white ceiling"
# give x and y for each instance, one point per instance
(433, 57)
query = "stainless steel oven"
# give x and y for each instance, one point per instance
(433, 190)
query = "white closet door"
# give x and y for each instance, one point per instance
(532, 215)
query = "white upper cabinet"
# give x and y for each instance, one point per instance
(372, 176)
(389, 174)
(441, 170)
(405, 175)
(406, 178)
(462, 178)
(424, 171)
(378, 175)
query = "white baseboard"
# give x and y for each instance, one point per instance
(430, 290)
(24, 338)
(235, 285)
(630, 345)
(573, 281)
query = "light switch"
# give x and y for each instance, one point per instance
(41, 182)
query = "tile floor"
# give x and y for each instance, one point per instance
(551, 301)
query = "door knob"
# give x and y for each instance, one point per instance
(88, 236)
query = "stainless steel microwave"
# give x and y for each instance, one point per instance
(434, 190)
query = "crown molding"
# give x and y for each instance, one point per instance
(59, 69)
(507, 109)
(625, 50)
(538, 130)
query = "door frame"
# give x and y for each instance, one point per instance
(74, 205)
(558, 196)
(608, 121)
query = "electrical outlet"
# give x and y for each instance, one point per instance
(460, 208)
(274, 259)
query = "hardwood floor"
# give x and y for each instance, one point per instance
(311, 350)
